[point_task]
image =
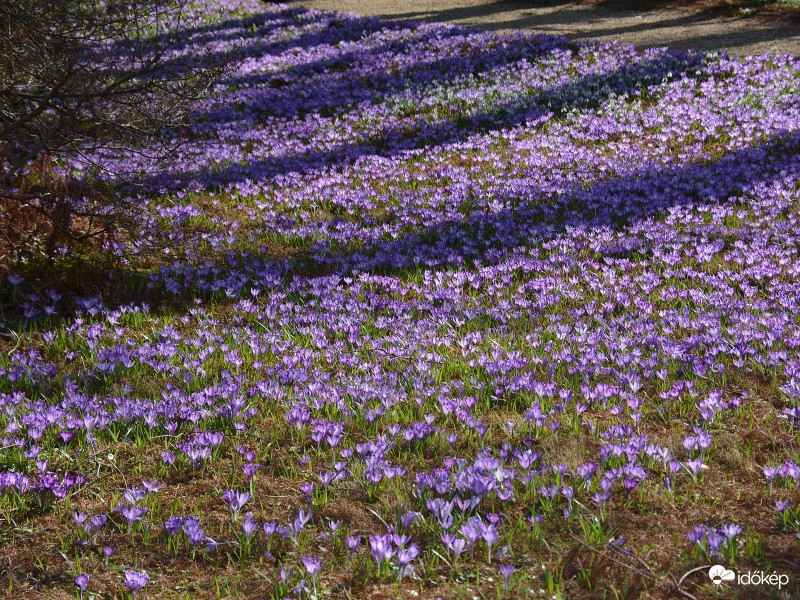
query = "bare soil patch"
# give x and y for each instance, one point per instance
(738, 28)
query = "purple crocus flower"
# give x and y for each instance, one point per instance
(353, 542)
(730, 530)
(98, 521)
(301, 520)
(236, 500)
(410, 518)
(455, 544)
(406, 555)
(81, 582)
(506, 570)
(172, 525)
(695, 466)
(191, 527)
(696, 534)
(152, 487)
(381, 548)
(312, 565)
(134, 495)
(490, 536)
(135, 580)
(249, 526)
(269, 528)
(714, 540)
(132, 514)
(250, 469)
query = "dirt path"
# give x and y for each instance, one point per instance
(711, 25)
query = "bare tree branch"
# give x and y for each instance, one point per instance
(82, 76)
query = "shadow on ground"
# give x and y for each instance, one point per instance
(739, 27)
(485, 237)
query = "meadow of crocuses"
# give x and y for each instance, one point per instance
(421, 311)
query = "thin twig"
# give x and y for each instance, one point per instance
(378, 517)
(638, 558)
(678, 589)
(679, 583)
(18, 338)
(647, 575)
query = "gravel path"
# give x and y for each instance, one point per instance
(711, 25)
